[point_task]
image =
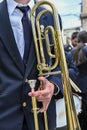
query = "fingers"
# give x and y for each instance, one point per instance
(44, 95)
(43, 98)
(39, 93)
(47, 89)
(45, 106)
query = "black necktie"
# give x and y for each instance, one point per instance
(26, 30)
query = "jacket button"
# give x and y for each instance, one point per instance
(24, 104)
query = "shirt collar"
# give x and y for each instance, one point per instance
(11, 4)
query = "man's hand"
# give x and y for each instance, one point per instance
(45, 94)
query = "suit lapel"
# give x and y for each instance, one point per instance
(6, 34)
(31, 60)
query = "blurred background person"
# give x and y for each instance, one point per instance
(68, 47)
(80, 60)
(74, 40)
(71, 42)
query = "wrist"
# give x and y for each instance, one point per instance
(56, 89)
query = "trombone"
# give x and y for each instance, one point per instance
(39, 35)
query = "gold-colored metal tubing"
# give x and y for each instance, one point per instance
(34, 110)
(75, 87)
(71, 116)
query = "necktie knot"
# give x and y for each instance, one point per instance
(23, 9)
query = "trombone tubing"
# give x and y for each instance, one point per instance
(72, 120)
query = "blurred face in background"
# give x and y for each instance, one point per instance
(74, 42)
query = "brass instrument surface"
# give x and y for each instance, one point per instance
(58, 57)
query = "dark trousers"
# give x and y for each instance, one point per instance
(24, 125)
(83, 116)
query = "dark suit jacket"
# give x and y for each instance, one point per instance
(13, 88)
